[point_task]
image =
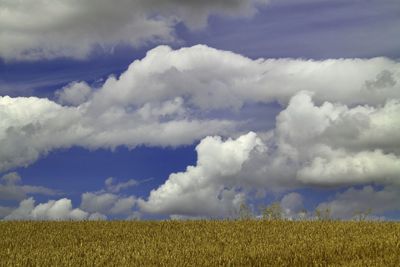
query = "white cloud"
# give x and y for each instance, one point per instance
(201, 190)
(342, 131)
(107, 203)
(52, 210)
(23, 212)
(327, 145)
(221, 79)
(299, 152)
(113, 187)
(123, 205)
(74, 94)
(349, 168)
(345, 204)
(31, 127)
(74, 28)
(169, 97)
(12, 189)
(333, 144)
(101, 203)
(94, 206)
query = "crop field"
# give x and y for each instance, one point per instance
(200, 243)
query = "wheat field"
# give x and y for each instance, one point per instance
(200, 243)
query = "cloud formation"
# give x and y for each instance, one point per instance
(200, 190)
(297, 153)
(338, 126)
(52, 210)
(330, 144)
(335, 144)
(107, 203)
(94, 205)
(74, 94)
(31, 127)
(12, 189)
(74, 28)
(169, 98)
(114, 187)
(347, 204)
(214, 79)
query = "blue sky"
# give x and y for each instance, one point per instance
(179, 109)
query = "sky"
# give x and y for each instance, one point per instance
(175, 109)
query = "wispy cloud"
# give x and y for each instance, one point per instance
(12, 189)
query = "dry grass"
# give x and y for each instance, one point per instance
(200, 243)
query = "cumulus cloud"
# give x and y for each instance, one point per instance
(200, 190)
(341, 131)
(12, 189)
(221, 79)
(327, 145)
(23, 212)
(334, 144)
(74, 94)
(74, 28)
(31, 127)
(94, 205)
(107, 203)
(359, 168)
(299, 152)
(384, 79)
(353, 200)
(169, 97)
(52, 210)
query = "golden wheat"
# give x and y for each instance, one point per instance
(200, 243)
